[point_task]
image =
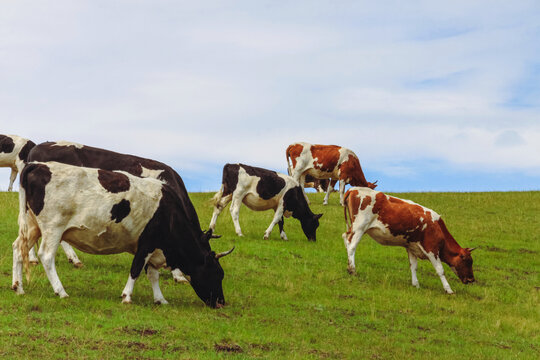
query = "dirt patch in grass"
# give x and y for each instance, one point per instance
(140, 332)
(228, 347)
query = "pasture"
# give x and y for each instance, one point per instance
(295, 299)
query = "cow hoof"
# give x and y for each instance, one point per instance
(161, 302)
(182, 280)
(325, 203)
(77, 265)
(449, 292)
(34, 262)
(265, 237)
(62, 294)
(416, 286)
(351, 271)
(126, 299)
(18, 289)
(240, 234)
(284, 237)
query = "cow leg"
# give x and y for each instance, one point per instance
(47, 254)
(178, 276)
(12, 178)
(153, 276)
(235, 214)
(413, 261)
(341, 190)
(351, 249)
(302, 182)
(17, 283)
(437, 264)
(139, 262)
(32, 258)
(282, 234)
(71, 255)
(277, 216)
(219, 204)
(328, 190)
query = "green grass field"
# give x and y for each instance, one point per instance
(295, 299)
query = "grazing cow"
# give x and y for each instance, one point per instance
(110, 212)
(86, 156)
(321, 185)
(325, 162)
(392, 221)
(261, 189)
(13, 153)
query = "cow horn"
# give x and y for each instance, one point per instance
(214, 236)
(471, 249)
(224, 253)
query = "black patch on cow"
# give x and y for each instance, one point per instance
(270, 183)
(184, 246)
(6, 144)
(23, 154)
(112, 181)
(34, 179)
(230, 178)
(120, 211)
(295, 202)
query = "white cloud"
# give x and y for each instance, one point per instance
(203, 83)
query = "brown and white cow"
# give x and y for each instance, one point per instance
(320, 185)
(393, 221)
(13, 153)
(261, 189)
(325, 162)
(111, 212)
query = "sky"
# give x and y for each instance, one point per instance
(431, 95)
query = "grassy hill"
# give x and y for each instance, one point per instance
(294, 299)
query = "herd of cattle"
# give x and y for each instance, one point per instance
(103, 202)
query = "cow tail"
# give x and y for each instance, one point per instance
(217, 197)
(23, 232)
(346, 211)
(287, 156)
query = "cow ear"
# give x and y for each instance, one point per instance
(318, 216)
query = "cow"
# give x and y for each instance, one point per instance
(87, 156)
(325, 162)
(393, 221)
(260, 189)
(109, 212)
(321, 185)
(13, 153)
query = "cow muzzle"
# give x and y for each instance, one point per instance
(468, 280)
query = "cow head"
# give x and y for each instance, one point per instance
(207, 278)
(310, 224)
(461, 264)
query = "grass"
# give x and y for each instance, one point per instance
(294, 299)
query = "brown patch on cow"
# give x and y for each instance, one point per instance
(351, 202)
(293, 152)
(113, 182)
(351, 171)
(365, 202)
(327, 157)
(403, 218)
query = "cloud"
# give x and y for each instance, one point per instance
(198, 84)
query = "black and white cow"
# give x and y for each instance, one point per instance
(261, 189)
(13, 153)
(109, 212)
(87, 156)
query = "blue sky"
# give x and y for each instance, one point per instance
(431, 95)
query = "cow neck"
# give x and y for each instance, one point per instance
(450, 246)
